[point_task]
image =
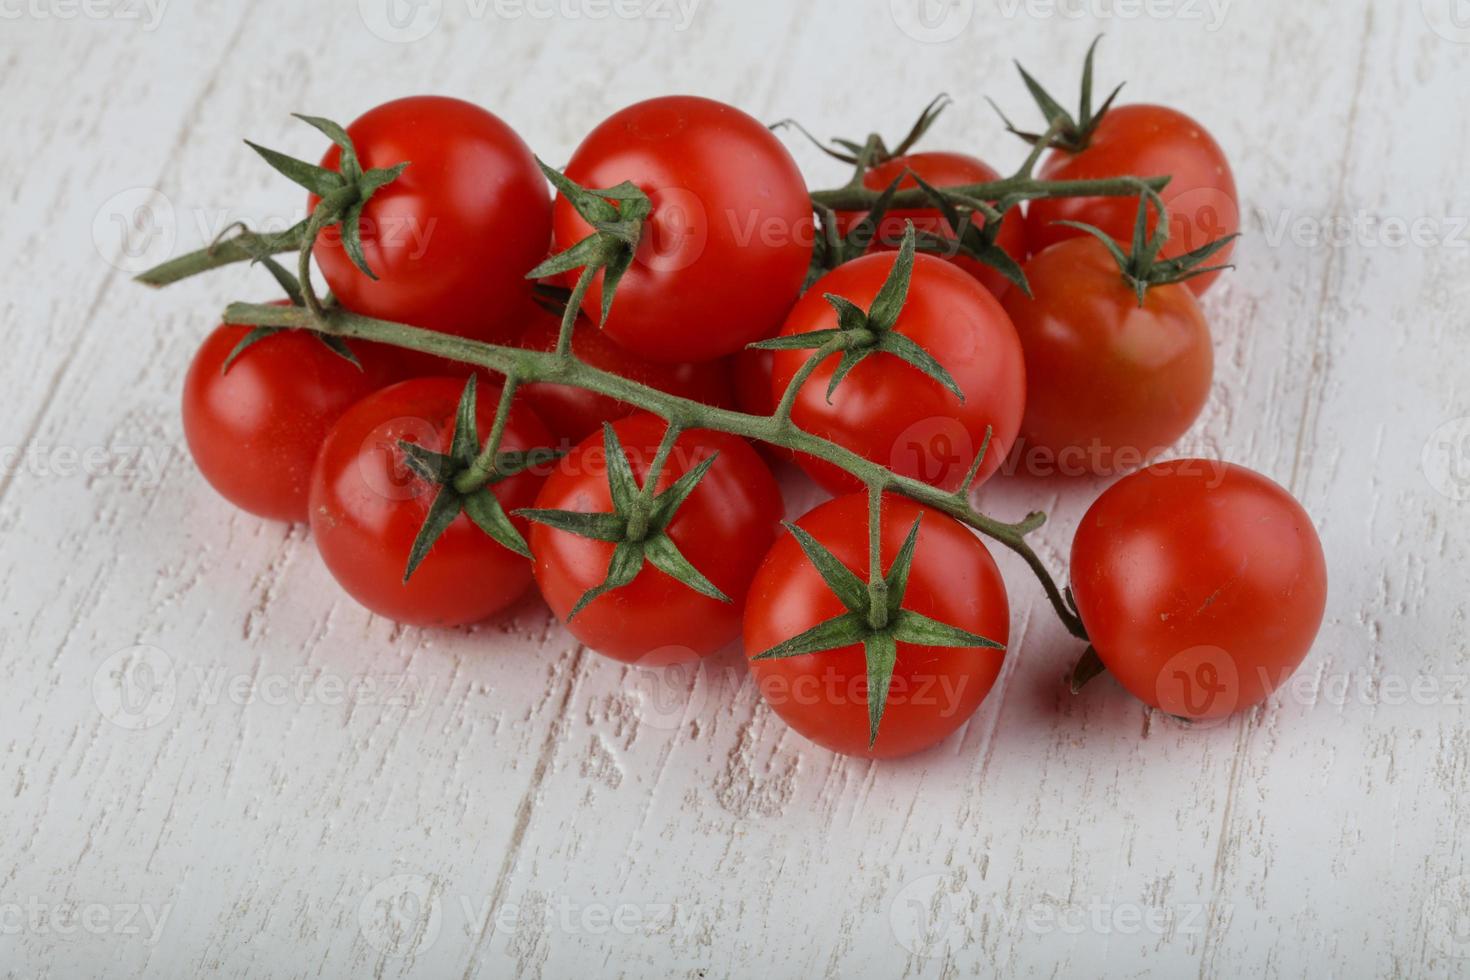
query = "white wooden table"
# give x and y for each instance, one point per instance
(212, 762)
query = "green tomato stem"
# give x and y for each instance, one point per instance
(860, 198)
(532, 366)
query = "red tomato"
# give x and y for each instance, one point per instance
(1109, 384)
(451, 239)
(255, 429)
(575, 413)
(1144, 141)
(940, 169)
(935, 690)
(889, 411)
(726, 250)
(723, 529)
(367, 507)
(1201, 584)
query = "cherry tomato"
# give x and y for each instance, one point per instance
(723, 529)
(575, 413)
(726, 250)
(255, 429)
(452, 238)
(1109, 383)
(935, 690)
(367, 507)
(889, 411)
(941, 169)
(1144, 141)
(1201, 584)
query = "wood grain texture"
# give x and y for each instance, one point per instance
(305, 790)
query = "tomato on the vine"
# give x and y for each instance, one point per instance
(727, 247)
(1144, 141)
(368, 506)
(1202, 585)
(575, 413)
(254, 430)
(934, 690)
(940, 169)
(1110, 382)
(452, 238)
(888, 410)
(723, 529)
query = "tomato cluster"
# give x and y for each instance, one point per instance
(685, 256)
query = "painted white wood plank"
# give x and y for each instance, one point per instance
(497, 800)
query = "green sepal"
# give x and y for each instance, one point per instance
(852, 152)
(663, 554)
(621, 484)
(1088, 667)
(484, 509)
(888, 304)
(318, 180)
(431, 466)
(622, 568)
(667, 504)
(1072, 135)
(596, 527)
(911, 627)
(845, 585)
(880, 650)
(442, 512)
(974, 241)
(252, 338)
(616, 231)
(798, 341)
(834, 634)
(912, 354)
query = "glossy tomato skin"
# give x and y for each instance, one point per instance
(1144, 141)
(254, 430)
(367, 507)
(1202, 586)
(935, 690)
(727, 248)
(1109, 384)
(453, 237)
(573, 414)
(723, 529)
(887, 410)
(941, 169)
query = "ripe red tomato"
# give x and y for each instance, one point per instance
(935, 690)
(889, 411)
(574, 414)
(453, 237)
(1144, 141)
(723, 529)
(255, 429)
(1109, 383)
(367, 507)
(1201, 584)
(941, 169)
(726, 250)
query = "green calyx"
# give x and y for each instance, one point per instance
(860, 334)
(1141, 266)
(1064, 132)
(975, 239)
(343, 192)
(292, 288)
(461, 487)
(875, 616)
(617, 215)
(874, 151)
(639, 522)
